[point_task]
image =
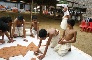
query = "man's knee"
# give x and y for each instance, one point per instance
(62, 52)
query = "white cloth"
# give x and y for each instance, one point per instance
(66, 13)
(64, 20)
(33, 31)
(18, 31)
(62, 49)
(64, 23)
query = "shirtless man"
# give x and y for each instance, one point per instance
(8, 21)
(34, 26)
(19, 27)
(69, 36)
(4, 30)
(43, 34)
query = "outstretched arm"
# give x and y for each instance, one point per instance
(13, 30)
(47, 44)
(37, 51)
(62, 36)
(24, 31)
(37, 30)
(31, 28)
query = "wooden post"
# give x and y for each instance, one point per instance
(31, 9)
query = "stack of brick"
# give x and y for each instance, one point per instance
(12, 51)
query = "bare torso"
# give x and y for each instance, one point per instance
(69, 34)
(35, 26)
(18, 24)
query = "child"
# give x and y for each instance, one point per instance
(34, 26)
(4, 30)
(68, 37)
(19, 27)
(43, 35)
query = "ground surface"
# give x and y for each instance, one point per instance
(84, 39)
(22, 50)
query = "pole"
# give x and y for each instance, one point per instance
(31, 9)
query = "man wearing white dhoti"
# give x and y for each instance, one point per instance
(65, 18)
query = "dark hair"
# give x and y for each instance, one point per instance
(71, 22)
(9, 19)
(3, 26)
(20, 18)
(34, 17)
(6, 19)
(42, 33)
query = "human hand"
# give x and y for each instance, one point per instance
(36, 52)
(11, 40)
(41, 57)
(61, 42)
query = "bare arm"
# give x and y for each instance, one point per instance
(3, 37)
(6, 33)
(47, 44)
(31, 28)
(38, 46)
(62, 36)
(24, 31)
(37, 29)
(13, 30)
(40, 43)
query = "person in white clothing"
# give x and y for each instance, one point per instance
(68, 37)
(19, 27)
(65, 18)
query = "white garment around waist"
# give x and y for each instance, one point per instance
(18, 31)
(62, 49)
(63, 46)
(64, 23)
(34, 31)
